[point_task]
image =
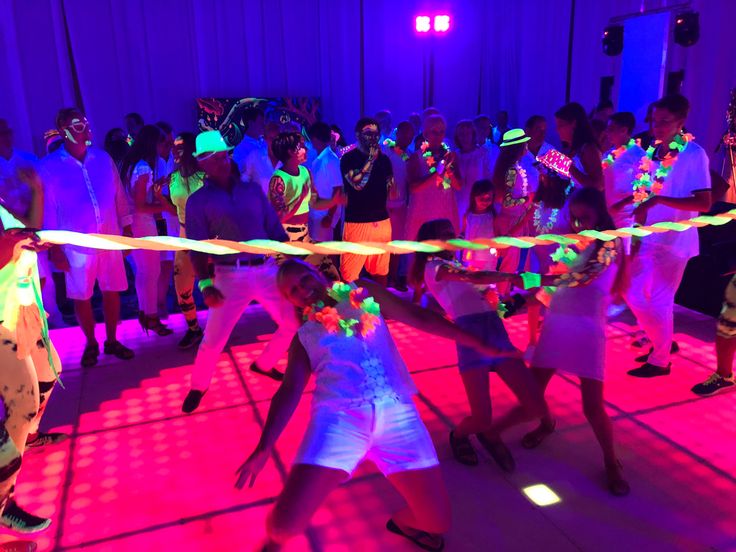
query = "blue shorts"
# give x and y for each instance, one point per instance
(488, 327)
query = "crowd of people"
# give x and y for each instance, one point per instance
(403, 181)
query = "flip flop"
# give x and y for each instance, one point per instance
(418, 537)
(535, 437)
(462, 450)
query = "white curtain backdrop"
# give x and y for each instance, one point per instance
(157, 56)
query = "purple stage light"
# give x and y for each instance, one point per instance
(441, 23)
(422, 24)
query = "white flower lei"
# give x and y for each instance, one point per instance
(539, 227)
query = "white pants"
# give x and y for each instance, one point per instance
(147, 266)
(240, 286)
(655, 276)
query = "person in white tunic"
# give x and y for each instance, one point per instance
(362, 406)
(573, 337)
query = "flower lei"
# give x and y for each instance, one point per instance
(542, 229)
(333, 322)
(644, 185)
(391, 144)
(432, 163)
(610, 159)
(508, 199)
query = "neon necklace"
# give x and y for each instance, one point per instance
(432, 163)
(610, 159)
(551, 220)
(333, 322)
(391, 144)
(508, 199)
(644, 184)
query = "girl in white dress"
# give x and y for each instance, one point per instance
(573, 338)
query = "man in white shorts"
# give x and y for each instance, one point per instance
(83, 193)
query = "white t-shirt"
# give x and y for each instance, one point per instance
(326, 177)
(259, 169)
(528, 163)
(690, 172)
(400, 179)
(244, 149)
(456, 298)
(618, 178)
(15, 193)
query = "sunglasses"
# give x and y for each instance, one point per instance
(78, 126)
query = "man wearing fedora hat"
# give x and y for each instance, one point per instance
(229, 209)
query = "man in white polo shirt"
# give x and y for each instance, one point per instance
(83, 193)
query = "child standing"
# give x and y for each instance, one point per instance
(478, 223)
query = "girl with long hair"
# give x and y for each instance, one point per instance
(478, 223)
(573, 337)
(138, 177)
(462, 295)
(580, 145)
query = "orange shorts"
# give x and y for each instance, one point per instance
(377, 265)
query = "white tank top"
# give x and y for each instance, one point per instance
(355, 371)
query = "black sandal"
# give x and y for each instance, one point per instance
(535, 437)
(462, 450)
(615, 482)
(90, 355)
(273, 373)
(418, 537)
(499, 452)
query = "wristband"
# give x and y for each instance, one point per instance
(203, 284)
(531, 280)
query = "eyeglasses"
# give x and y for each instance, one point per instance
(78, 126)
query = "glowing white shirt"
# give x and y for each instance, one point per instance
(15, 193)
(83, 196)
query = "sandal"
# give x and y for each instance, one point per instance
(273, 373)
(422, 539)
(535, 437)
(153, 323)
(499, 452)
(90, 355)
(616, 484)
(118, 350)
(463, 450)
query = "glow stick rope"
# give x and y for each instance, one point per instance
(269, 247)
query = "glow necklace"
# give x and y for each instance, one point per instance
(333, 322)
(508, 199)
(432, 163)
(610, 159)
(644, 184)
(391, 144)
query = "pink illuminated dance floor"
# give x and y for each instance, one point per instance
(139, 475)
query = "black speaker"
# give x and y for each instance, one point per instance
(613, 40)
(687, 28)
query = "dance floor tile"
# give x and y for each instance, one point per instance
(109, 402)
(129, 479)
(139, 475)
(709, 433)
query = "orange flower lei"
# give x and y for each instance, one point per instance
(645, 185)
(330, 318)
(610, 159)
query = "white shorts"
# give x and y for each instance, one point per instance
(105, 267)
(390, 434)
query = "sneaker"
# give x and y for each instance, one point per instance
(42, 439)
(191, 402)
(118, 350)
(647, 370)
(17, 519)
(191, 338)
(713, 385)
(674, 348)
